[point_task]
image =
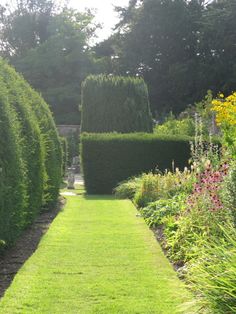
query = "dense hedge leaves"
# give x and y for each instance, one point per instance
(115, 103)
(108, 159)
(30, 155)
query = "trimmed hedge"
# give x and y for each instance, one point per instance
(52, 145)
(30, 139)
(13, 196)
(115, 103)
(108, 159)
(64, 147)
(27, 180)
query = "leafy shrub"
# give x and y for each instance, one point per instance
(164, 212)
(108, 159)
(128, 188)
(115, 103)
(212, 276)
(173, 126)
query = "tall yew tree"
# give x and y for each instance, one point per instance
(181, 48)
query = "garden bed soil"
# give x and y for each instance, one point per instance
(13, 258)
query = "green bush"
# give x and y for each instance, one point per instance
(164, 212)
(13, 188)
(27, 146)
(173, 126)
(52, 144)
(128, 188)
(108, 159)
(115, 104)
(31, 143)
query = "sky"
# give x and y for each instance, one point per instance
(104, 13)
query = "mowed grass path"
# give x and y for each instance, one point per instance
(97, 257)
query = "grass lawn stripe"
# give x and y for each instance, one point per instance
(97, 257)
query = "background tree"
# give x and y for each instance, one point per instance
(181, 48)
(50, 46)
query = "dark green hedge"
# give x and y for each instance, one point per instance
(64, 147)
(115, 103)
(51, 142)
(30, 155)
(108, 159)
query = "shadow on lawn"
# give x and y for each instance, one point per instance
(13, 258)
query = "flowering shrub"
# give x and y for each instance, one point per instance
(203, 211)
(225, 109)
(208, 186)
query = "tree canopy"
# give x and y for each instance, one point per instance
(181, 48)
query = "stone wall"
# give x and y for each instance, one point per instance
(65, 130)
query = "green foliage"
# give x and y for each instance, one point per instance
(212, 277)
(48, 44)
(53, 150)
(73, 146)
(28, 179)
(162, 186)
(166, 41)
(173, 126)
(64, 146)
(115, 104)
(13, 197)
(164, 212)
(228, 193)
(194, 226)
(108, 159)
(31, 144)
(128, 188)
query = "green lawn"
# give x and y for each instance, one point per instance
(97, 257)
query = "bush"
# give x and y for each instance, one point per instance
(31, 143)
(13, 196)
(173, 126)
(108, 159)
(52, 144)
(161, 212)
(25, 150)
(115, 103)
(128, 188)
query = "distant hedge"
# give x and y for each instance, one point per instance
(115, 103)
(108, 159)
(29, 146)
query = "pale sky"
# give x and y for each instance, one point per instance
(104, 13)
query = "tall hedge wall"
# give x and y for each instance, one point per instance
(108, 159)
(27, 180)
(115, 103)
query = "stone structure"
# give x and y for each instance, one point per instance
(66, 130)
